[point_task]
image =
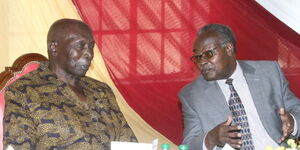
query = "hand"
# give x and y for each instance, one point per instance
(224, 133)
(287, 124)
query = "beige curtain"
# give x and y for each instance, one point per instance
(23, 29)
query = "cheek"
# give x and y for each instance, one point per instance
(74, 53)
(71, 65)
(213, 63)
(219, 67)
(222, 69)
(73, 57)
(198, 65)
(72, 62)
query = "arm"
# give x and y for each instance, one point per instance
(19, 129)
(217, 137)
(290, 101)
(193, 131)
(123, 129)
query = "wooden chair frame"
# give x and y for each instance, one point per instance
(18, 66)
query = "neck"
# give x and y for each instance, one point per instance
(62, 75)
(70, 80)
(232, 68)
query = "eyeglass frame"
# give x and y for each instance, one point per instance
(197, 58)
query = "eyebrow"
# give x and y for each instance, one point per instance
(205, 49)
(194, 50)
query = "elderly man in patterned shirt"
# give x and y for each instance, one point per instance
(57, 106)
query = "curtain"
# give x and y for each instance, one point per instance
(288, 13)
(24, 28)
(147, 45)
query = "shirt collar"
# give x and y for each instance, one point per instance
(236, 75)
(51, 77)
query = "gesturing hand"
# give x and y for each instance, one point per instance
(224, 133)
(287, 124)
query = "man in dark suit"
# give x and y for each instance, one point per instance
(235, 104)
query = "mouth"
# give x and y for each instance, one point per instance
(84, 67)
(206, 70)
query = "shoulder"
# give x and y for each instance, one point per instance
(259, 67)
(101, 90)
(96, 86)
(29, 79)
(259, 62)
(93, 83)
(196, 86)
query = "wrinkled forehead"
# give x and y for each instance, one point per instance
(79, 33)
(65, 28)
(78, 28)
(76, 32)
(202, 43)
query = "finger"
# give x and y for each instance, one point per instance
(285, 128)
(281, 111)
(236, 146)
(284, 136)
(283, 115)
(282, 139)
(234, 128)
(235, 135)
(229, 120)
(235, 142)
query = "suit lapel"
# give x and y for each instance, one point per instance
(217, 98)
(256, 89)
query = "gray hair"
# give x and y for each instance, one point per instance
(224, 31)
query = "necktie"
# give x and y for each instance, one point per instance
(240, 117)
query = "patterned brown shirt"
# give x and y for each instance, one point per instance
(42, 112)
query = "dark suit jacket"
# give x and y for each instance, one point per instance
(204, 105)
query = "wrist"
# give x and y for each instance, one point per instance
(209, 142)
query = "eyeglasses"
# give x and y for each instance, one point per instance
(204, 55)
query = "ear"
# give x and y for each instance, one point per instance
(52, 48)
(229, 49)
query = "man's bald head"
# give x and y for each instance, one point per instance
(70, 47)
(63, 27)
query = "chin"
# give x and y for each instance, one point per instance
(209, 77)
(80, 74)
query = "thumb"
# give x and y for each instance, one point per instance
(281, 111)
(228, 121)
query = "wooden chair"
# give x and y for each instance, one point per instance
(22, 65)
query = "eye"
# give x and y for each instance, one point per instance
(91, 45)
(79, 45)
(198, 57)
(208, 54)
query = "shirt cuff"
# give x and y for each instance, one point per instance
(295, 126)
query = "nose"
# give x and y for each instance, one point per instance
(203, 61)
(88, 53)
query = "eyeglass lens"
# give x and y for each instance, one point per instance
(205, 55)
